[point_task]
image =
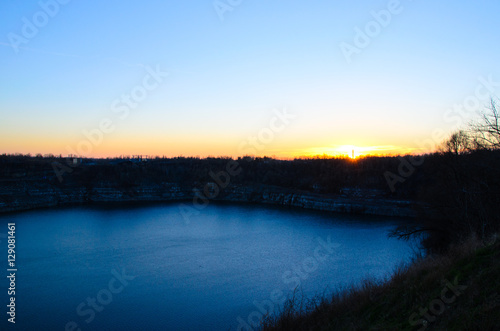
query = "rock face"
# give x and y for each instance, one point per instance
(343, 204)
(25, 197)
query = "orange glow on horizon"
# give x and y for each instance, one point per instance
(355, 152)
(346, 151)
(195, 146)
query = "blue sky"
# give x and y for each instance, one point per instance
(227, 76)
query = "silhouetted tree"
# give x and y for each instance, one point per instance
(458, 143)
(487, 129)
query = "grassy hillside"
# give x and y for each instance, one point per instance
(459, 290)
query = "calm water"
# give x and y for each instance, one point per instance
(144, 268)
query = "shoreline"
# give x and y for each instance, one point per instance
(32, 198)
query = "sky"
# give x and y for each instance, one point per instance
(232, 78)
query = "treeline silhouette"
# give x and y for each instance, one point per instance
(319, 175)
(460, 188)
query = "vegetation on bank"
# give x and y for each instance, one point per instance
(458, 290)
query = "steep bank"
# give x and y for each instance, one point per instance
(26, 195)
(458, 290)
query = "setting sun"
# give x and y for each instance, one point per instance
(350, 150)
(354, 152)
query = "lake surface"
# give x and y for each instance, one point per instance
(146, 268)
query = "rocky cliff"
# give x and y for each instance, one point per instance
(26, 196)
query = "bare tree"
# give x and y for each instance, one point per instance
(459, 142)
(487, 129)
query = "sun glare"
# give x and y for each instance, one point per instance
(350, 150)
(355, 151)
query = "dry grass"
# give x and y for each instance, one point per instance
(390, 304)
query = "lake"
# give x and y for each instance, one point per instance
(145, 268)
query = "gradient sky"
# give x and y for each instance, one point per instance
(227, 78)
